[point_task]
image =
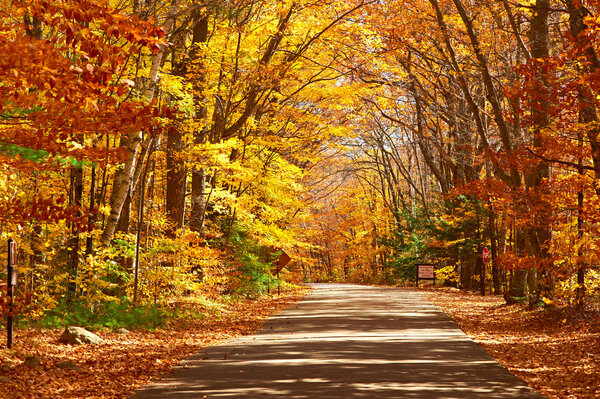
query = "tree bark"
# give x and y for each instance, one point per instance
(494, 250)
(198, 195)
(540, 234)
(124, 177)
(89, 243)
(121, 185)
(76, 192)
(176, 181)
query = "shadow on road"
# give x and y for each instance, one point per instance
(347, 341)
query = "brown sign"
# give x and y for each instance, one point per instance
(283, 260)
(426, 272)
(13, 253)
(280, 262)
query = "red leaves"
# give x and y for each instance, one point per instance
(21, 211)
(73, 74)
(59, 91)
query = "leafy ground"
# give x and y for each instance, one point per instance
(123, 362)
(556, 351)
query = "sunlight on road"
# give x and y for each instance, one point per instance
(348, 342)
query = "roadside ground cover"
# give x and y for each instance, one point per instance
(555, 351)
(124, 362)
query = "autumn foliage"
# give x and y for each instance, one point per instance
(150, 151)
(478, 129)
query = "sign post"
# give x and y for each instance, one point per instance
(283, 260)
(425, 272)
(485, 256)
(278, 264)
(11, 282)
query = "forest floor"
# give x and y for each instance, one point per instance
(555, 351)
(122, 363)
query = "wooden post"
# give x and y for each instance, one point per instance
(10, 287)
(278, 283)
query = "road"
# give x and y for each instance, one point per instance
(347, 341)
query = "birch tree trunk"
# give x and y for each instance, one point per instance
(124, 177)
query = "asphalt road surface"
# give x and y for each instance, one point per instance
(346, 341)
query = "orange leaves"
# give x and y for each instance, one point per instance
(19, 211)
(511, 261)
(556, 352)
(62, 84)
(124, 362)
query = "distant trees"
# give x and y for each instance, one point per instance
(480, 131)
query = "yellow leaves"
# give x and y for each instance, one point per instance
(548, 301)
(447, 274)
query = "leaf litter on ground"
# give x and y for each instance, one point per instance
(115, 368)
(556, 351)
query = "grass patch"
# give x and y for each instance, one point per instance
(112, 314)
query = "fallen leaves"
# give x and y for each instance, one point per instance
(122, 363)
(556, 352)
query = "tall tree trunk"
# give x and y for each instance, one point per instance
(581, 267)
(89, 243)
(501, 240)
(125, 217)
(518, 283)
(121, 186)
(124, 177)
(197, 209)
(76, 195)
(539, 235)
(176, 180)
(493, 248)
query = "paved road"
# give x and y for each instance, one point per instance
(346, 341)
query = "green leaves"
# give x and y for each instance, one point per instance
(25, 153)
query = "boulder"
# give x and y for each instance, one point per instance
(122, 331)
(67, 365)
(32, 361)
(77, 336)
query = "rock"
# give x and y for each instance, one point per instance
(67, 365)
(122, 331)
(32, 361)
(4, 379)
(78, 336)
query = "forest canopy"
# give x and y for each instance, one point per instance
(149, 149)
